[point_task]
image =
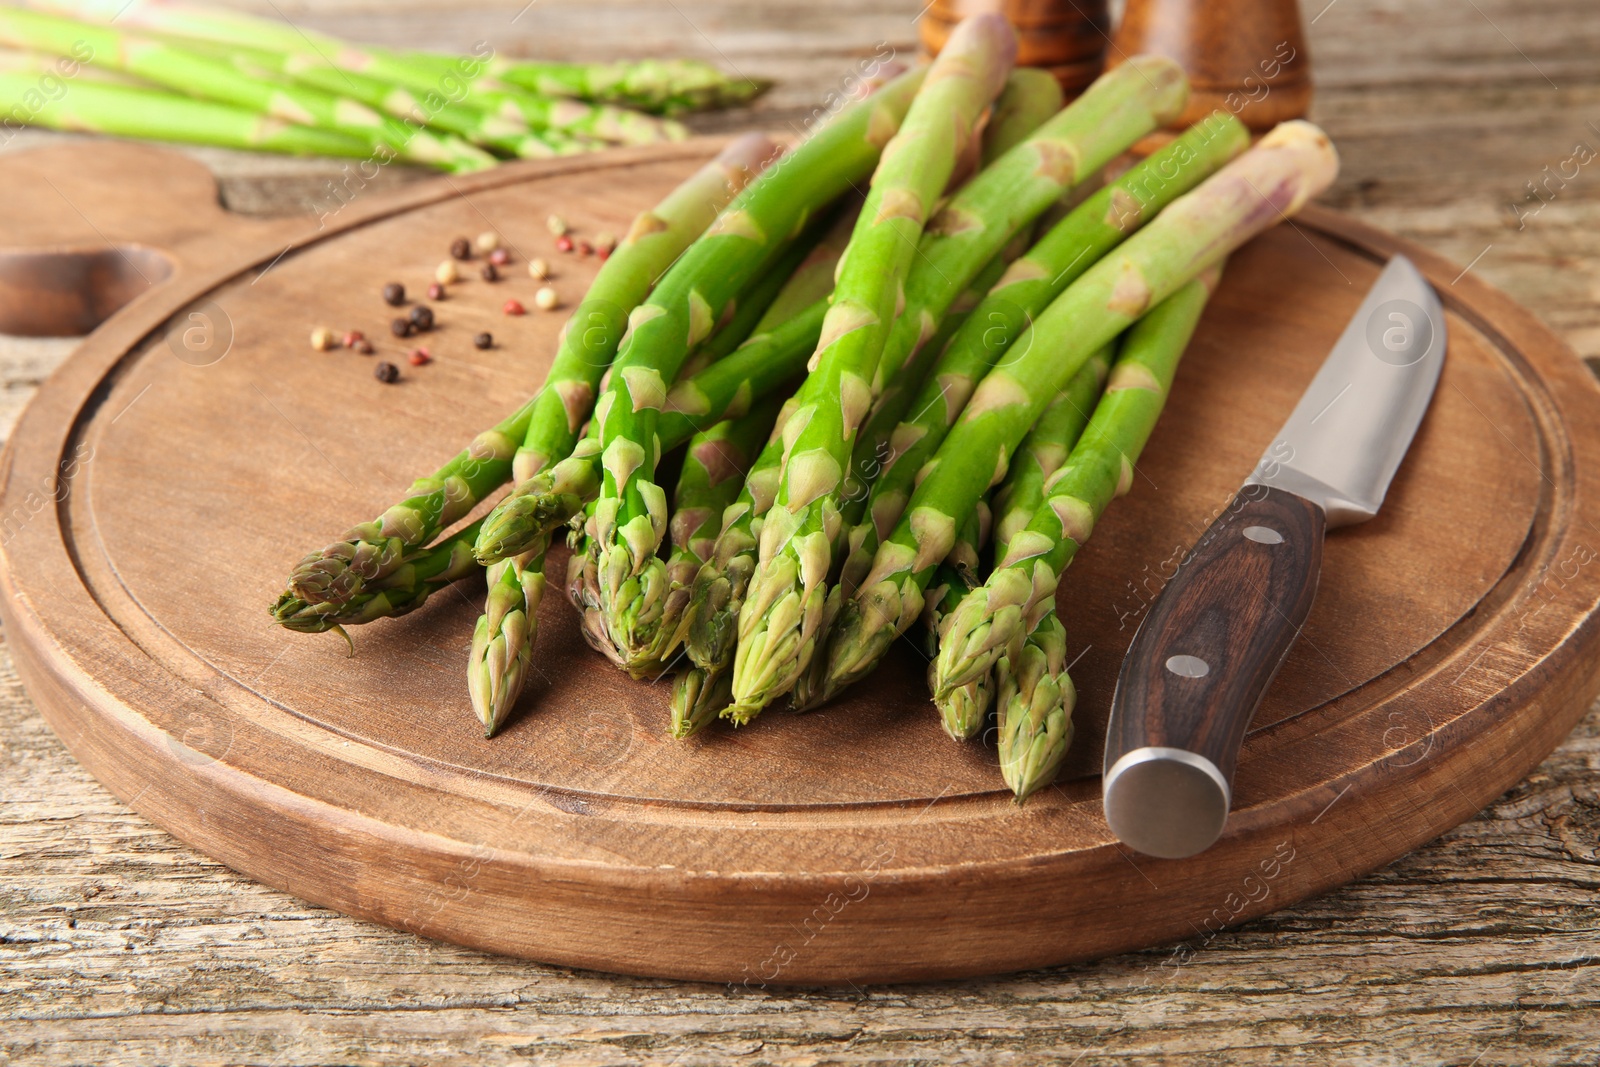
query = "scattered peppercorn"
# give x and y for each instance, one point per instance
(446, 273)
(394, 294)
(547, 299)
(487, 241)
(422, 318)
(500, 257)
(400, 327)
(364, 347)
(353, 338)
(558, 225)
(585, 248)
(484, 340)
(563, 244)
(435, 291)
(387, 373)
(490, 272)
(605, 243)
(419, 356)
(322, 339)
(514, 307)
(602, 254)
(461, 248)
(539, 270)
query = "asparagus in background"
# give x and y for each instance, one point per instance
(1289, 166)
(173, 68)
(664, 85)
(1022, 589)
(781, 614)
(629, 517)
(98, 106)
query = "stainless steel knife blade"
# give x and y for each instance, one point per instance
(1354, 423)
(1210, 645)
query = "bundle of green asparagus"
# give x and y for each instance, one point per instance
(866, 393)
(196, 75)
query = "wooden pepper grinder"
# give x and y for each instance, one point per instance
(1066, 37)
(1246, 57)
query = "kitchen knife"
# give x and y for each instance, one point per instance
(1216, 635)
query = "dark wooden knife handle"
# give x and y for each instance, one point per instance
(1199, 665)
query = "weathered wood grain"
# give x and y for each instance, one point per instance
(1482, 947)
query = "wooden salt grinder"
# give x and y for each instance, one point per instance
(1246, 57)
(1066, 37)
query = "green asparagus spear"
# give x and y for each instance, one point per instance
(1046, 448)
(174, 68)
(1290, 165)
(629, 518)
(724, 390)
(1030, 97)
(96, 106)
(1071, 248)
(713, 472)
(779, 620)
(578, 118)
(698, 697)
(1035, 701)
(401, 590)
(961, 711)
(1023, 586)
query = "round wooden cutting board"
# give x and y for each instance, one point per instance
(166, 478)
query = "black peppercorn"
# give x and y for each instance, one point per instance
(422, 318)
(387, 373)
(490, 272)
(400, 327)
(484, 340)
(394, 294)
(461, 248)
(436, 291)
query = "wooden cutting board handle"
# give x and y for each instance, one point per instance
(109, 221)
(1247, 57)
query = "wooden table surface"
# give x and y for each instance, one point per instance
(120, 945)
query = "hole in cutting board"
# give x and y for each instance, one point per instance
(69, 293)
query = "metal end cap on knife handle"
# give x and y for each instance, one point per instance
(1166, 802)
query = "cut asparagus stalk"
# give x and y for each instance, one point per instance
(1022, 588)
(1290, 165)
(782, 613)
(629, 518)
